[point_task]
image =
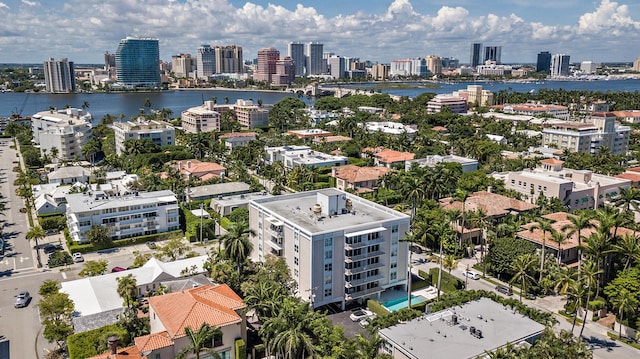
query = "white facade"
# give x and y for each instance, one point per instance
(128, 216)
(160, 133)
(454, 103)
(560, 65)
(390, 128)
(59, 76)
(468, 164)
(408, 67)
(205, 61)
(249, 115)
(292, 156)
(201, 118)
(339, 247)
(67, 130)
(589, 137)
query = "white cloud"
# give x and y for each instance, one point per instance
(399, 31)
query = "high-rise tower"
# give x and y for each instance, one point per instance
(138, 62)
(560, 65)
(544, 62)
(315, 61)
(267, 58)
(59, 76)
(493, 53)
(205, 61)
(295, 50)
(476, 54)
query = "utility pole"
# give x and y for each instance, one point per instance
(409, 278)
(201, 216)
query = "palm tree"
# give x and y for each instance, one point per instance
(559, 238)
(288, 334)
(412, 189)
(367, 348)
(461, 196)
(577, 293)
(545, 226)
(565, 278)
(265, 298)
(36, 234)
(127, 289)
(629, 247)
(589, 276)
(521, 267)
(627, 199)
(578, 223)
(481, 220)
(623, 302)
(198, 341)
(237, 245)
(449, 262)
(597, 248)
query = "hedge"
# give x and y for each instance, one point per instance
(88, 247)
(59, 259)
(225, 222)
(94, 342)
(449, 282)
(376, 307)
(241, 349)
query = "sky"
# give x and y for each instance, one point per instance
(376, 30)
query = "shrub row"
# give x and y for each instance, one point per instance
(376, 307)
(94, 342)
(88, 247)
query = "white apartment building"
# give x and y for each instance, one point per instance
(339, 247)
(390, 128)
(468, 164)
(67, 130)
(454, 103)
(202, 118)
(408, 67)
(293, 156)
(577, 189)
(601, 130)
(159, 132)
(128, 216)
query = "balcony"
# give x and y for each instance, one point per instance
(363, 268)
(275, 244)
(365, 255)
(357, 282)
(363, 243)
(362, 293)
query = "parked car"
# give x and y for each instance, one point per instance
(22, 299)
(77, 257)
(504, 290)
(50, 248)
(117, 269)
(470, 274)
(361, 314)
(416, 249)
(152, 245)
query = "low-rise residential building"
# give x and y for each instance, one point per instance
(339, 247)
(158, 132)
(234, 140)
(468, 164)
(391, 128)
(249, 115)
(492, 204)
(534, 109)
(470, 330)
(631, 174)
(66, 130)
(309, 133)
(628, 116)
(217, 190)
(387, 158)
(203, 118)
(292, 156)
(127, 216)
(577, 189)
(600, 131)
(359, 179)
(331, 139)
(203, 170)
(224, 205)
(70, 175)
(453, 104)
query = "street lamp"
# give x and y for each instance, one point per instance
(201, 215)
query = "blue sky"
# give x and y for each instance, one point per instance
(376, 30)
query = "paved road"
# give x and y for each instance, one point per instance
(19, 253)
(594, 334)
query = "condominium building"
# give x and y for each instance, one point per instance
(266, 67)
(577, 189)
(249, 115)
(59, 76)
(454, 104)
(434, 64)
(158, 132)
(285, 72)
(339, 247)
(543, 63)
(315, 62)
(560, 65)
(229, 59)
(380, 72)
(476, 54)
(127, 216)
(293, 156)
(636, 64)
(474, 94)
(408, 67)
(490, 68)
(589, 67)
(493, 53)
(205, 61)
(295, 50)
(337, 66)
(202, 118)
(600, 131)
(138, 62)
(535, 109)
(67, 130)
(468, 164)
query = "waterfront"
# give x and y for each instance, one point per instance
(130, 103)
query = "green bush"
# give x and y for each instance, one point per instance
(94, 342)
(88, 247)
(241, 349)
(225, 222)
(53, 223)
(239, 215)
(377, 308)
(59, 259)
(597, 304)
(595, 318)
(419, 285)
(449, 282)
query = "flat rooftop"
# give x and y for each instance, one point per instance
(296, 209)
(218, 189)
(82, 202)
(436, 336)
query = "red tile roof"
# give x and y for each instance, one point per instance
(147, 343)
(237, 134)
(214, 305)
(354, 174)
(491, 203)
(124, 353)
(633, 177)
(552, 161)
(391, 156)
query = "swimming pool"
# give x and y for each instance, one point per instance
(397, 304)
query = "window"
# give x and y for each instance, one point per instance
(328, 267)
(327, 292)
(328, 279)
(328, 242)
(217, 340)
(296, 248)
(328, 254)
(394, 265)
(393, 276)
(295, 261)
(394, 228)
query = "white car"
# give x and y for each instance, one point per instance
(77, 257)
(361, 314)
(470, 274)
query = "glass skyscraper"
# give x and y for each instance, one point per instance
(138, 62)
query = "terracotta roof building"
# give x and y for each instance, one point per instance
(203, 170)
(360, 179)
(131, 352)
(385, 157)
(237, 139)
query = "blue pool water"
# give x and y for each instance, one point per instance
(397, 304)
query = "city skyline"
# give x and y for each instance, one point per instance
(82, 31)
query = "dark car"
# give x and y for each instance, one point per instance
(22, 299)
(152, 245)
(504, 290)
(117, 269)
(50, 248)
